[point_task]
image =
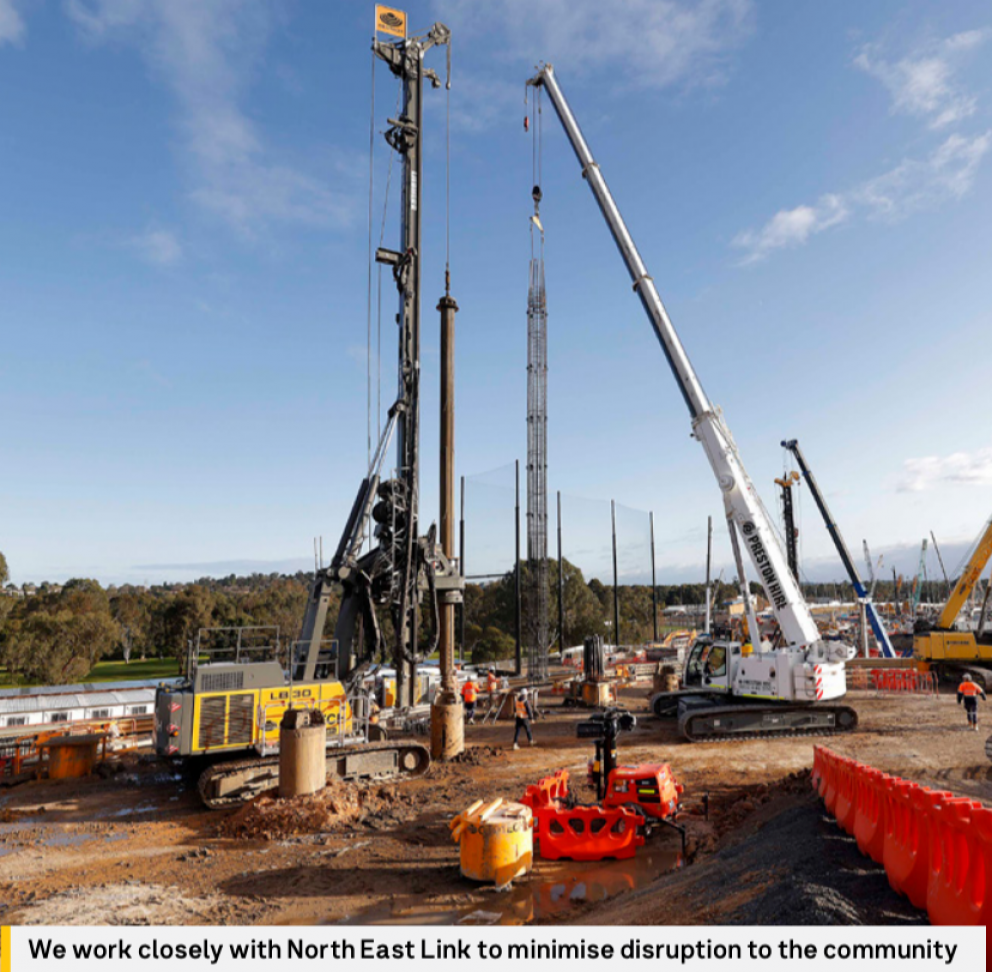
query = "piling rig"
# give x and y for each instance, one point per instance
(230, 707)
(726, 693)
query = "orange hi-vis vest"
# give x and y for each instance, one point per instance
(969, 689)
(491, 683)
(521, 709)
(470, 692)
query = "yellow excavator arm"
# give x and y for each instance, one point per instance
(968, 579)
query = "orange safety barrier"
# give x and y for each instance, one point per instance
(936, 848)
(869, 813)
(588, 833)
(546, 792)
(906, 852)
(983, 829)
(845, 805)
(956, 888)
(829, 792)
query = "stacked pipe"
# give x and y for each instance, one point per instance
(936, 848)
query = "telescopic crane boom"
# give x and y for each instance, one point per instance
(881, 635)
(806, 668)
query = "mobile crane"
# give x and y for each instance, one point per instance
(881, 635)
(939, 646)
(228, 708)
(774, 690)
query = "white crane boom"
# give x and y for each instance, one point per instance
(745, 511)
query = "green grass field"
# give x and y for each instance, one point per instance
(113, 671)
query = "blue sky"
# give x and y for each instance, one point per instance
(183, 267)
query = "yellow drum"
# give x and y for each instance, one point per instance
(497, 841)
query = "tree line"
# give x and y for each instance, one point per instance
(57, 636)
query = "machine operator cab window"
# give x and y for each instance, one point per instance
(707, 665)
(697, 658)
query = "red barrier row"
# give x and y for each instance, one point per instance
(936, 848)
(579, 833)
(587, 833)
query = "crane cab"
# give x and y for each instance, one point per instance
(710, 665)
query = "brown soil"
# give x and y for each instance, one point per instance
(139, 846)
(271, 818)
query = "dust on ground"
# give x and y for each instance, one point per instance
(139, 846)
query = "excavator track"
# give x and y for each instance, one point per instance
(232, 784)
(732, 722)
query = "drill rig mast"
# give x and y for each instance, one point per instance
(402, 565)
(228, 708)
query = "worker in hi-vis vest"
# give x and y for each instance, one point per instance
(470, 693)
(524, 713)
(968, 693)
(491, 681)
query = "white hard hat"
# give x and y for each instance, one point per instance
(523, 693)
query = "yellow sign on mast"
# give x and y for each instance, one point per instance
(390, 21)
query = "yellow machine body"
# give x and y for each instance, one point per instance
(240, 719)
(937, 646)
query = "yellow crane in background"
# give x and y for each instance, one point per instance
(942, 647)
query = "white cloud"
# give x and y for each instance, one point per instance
(206, 54)
(948, 173)
(792, 227)
(923, 83)
(653, 43)
(159, 247)
(12, 27)
(973, 469)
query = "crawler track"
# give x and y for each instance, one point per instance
(732, 722)
(231, 784)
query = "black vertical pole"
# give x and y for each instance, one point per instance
(461, 567)
(517, 581)
(654, 582)
(561, 587)
(709, 574)
(616, 589)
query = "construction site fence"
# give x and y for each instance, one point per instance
(893, 681)
(936, 848)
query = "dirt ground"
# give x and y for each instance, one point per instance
(139, 848)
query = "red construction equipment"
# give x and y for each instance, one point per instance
(613, 829)
(650, 787)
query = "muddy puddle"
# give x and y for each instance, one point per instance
(551, 890)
